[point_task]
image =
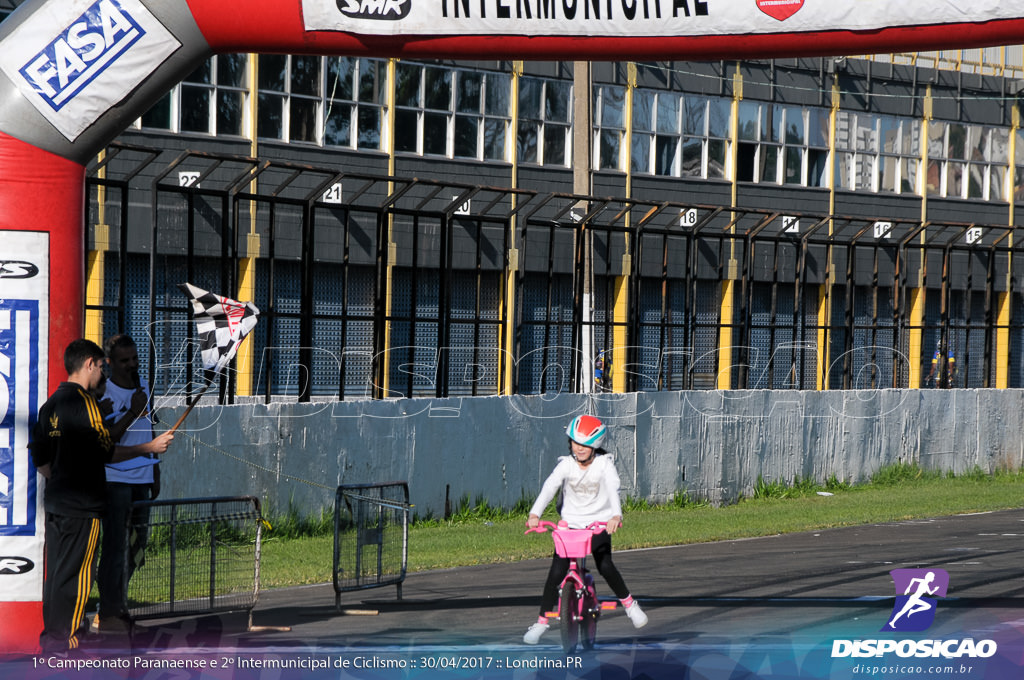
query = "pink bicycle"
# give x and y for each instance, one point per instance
(578, 606)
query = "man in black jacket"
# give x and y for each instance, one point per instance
(70, 446)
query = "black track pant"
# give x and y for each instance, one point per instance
(112, 577)
(601, 550)
(70, 553)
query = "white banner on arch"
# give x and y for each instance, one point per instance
(24, 333)
(640, 18)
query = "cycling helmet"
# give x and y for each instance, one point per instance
(587, 430)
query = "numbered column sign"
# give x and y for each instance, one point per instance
(189, 178)
(688, 218)
(463, 208)
(333, 194)
(790, 224)
(883, 229)
(973, 235)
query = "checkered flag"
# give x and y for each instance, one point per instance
(222, 324)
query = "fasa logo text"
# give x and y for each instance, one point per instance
(84, 50)
(387, 10)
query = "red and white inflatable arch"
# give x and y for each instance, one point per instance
(75, 73)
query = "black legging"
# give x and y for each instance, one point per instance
(601, 550)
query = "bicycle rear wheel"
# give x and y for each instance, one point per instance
(567, 615)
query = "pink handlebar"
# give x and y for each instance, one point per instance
(596, 527)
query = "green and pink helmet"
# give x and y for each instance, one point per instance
(587, 430)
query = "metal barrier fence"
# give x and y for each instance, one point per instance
(371, 536)
(415, 287)
(201, 556)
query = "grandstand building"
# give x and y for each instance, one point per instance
(446, 229)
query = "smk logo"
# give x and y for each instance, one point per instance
(916, 593)
(13, 269)
(780, 10)
(81, 52)
(15, 565)
(387, 10)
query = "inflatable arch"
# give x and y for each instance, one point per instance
(75, 73)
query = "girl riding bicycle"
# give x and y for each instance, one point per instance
(590, 493)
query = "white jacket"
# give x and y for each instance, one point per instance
(589, 494)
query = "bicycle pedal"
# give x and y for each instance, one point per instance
(551, 615)
(609, 605)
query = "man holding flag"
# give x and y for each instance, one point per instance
(222, 324)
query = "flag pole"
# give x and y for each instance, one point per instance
(192, 404)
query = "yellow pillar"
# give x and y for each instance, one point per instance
(95, 264)
(509, 295)
(1003, 298)
(825, 289)
(95, 277)
(824, 316)
(727, 299)
(247, 291)
(916, 335)
(244, 360)
(620, 287)
(389, 125)
(620, 317)
(916, 294)
(1003, 340)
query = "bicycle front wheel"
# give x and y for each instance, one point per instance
(588, 626)
(591, 610)
(568, 618)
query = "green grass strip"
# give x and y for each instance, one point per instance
(482, 535)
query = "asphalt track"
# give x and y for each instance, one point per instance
(769, 607)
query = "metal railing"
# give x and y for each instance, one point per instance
(202, 555)
(371, 536)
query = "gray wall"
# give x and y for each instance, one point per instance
(712, 444)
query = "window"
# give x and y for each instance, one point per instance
(899, 154)
(545, 113)
(716, 140)
(759, 146)
(482, 118)
(423, 109)
(673, 135)
(609, 126)
(1018, 161)
(657, 132)
(211, 100)
(304, 104)
(322, 100)
(817, 158)
(782, 144)
(877, 153)
(452, 112)
(967, 161)
(354, 102)
(290, 97)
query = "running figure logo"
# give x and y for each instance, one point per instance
(916, 592)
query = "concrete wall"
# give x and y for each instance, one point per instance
(712, 444)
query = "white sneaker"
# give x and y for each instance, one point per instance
(534, 632)
(636, 615)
